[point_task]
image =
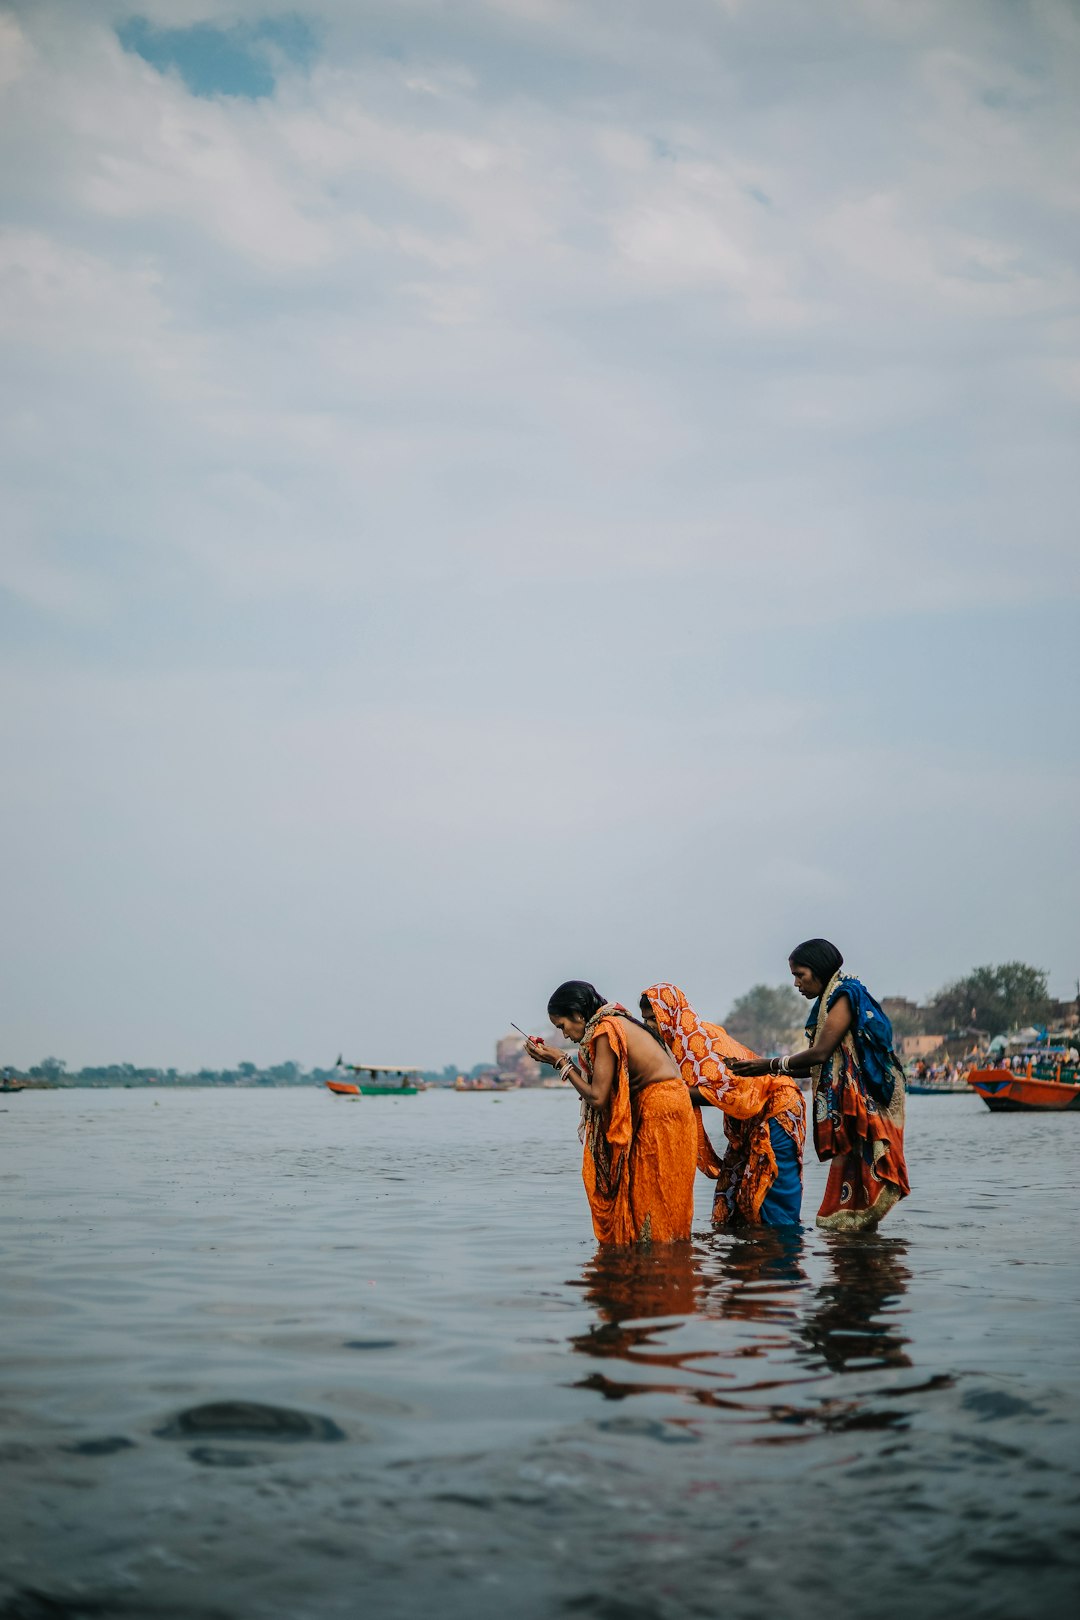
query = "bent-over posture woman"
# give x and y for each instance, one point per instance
(759, 1179)
(637, 1121)
(858, 1090)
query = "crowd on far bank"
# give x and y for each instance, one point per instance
(1021, 1062)
(939, 1074)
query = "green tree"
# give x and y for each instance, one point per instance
(287, 1074)
(53, 1069)
(995, 999)
(767, 1017)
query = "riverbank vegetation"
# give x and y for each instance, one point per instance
(990, 1000)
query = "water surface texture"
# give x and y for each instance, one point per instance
(269, 1354)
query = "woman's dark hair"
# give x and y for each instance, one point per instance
(575, 999)
(820, 956)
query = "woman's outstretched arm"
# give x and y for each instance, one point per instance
(837, 1025)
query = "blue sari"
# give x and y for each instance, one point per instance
(858, 1111)
(872, 1034)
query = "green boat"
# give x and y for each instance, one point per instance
(376, 1080)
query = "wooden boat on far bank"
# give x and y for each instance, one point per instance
(1046, 1082)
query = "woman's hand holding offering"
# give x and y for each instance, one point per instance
(542, 1052)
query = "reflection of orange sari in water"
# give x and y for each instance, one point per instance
(639, 1158)
(748, 1170)
(640, 1296)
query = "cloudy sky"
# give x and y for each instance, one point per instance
(521, 489)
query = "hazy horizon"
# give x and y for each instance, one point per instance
(540, 1025)
(520, 491)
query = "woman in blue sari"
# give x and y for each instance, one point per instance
(858, 1088)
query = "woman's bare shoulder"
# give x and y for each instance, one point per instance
(647, 1053)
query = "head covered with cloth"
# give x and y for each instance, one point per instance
(749, 1169)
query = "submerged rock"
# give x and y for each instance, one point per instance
(248, 1420)
(225, 1457)
(106, 1446)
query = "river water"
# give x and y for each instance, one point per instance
(270, 1354)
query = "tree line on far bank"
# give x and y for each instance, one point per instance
(53, 1071)
(991, 1000)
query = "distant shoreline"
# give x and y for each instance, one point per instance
(15, 1081)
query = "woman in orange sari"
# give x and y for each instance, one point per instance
(637, 1122)
(759, 1179)
(858, 1090)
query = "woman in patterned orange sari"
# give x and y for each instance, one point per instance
(637, 1123)
(858, 1090)
(759, 1179)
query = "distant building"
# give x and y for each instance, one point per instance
(905, 1015)
(899, 1006)
(913, 1047)
(1064, 1014)
(513, 1063)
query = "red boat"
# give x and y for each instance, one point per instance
(1045, 1082)
(341, 1088)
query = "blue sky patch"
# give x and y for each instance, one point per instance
(237, 61)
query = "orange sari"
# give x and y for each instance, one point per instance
(639, 1151)
(748, 1169)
